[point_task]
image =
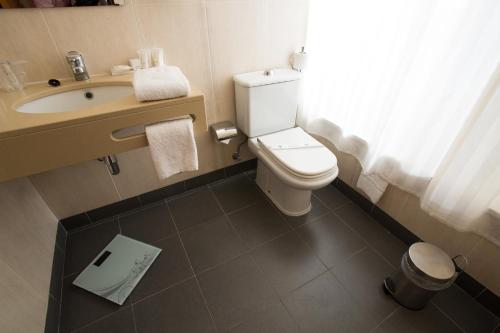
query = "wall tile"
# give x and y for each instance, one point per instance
(180, 27)
(106, 36)
(286, 22)
(77, 188)
(137, 174)
(237, 37)
(393, 202)
(22, 308)
(25, 37)
(433, 231)
(251, 35)
(27, 233)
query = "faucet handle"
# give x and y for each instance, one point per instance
(73, 56)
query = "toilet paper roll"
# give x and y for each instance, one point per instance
(299, 61)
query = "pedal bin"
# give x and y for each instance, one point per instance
(425, 270)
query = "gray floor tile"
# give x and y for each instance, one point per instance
(491, 301)
(80, 307)
(119, 322)
(179, 309)
(170, 267)
(362, 276)
(148, 224)
(239, 287)
(252, 174)
(194, 208)
(317, 210)
(465, 310)
(235, 291)
(85, 245)
(391, 248)
(287, 262)
(272, 319)
(323, 305)
(331, 197)
(258, 223)
(357, 219)
(428, 320)
(331, 239)
(236, 192)
(211, 243)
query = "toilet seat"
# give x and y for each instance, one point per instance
(298, 152)
(296, 158)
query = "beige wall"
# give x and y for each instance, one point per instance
(484, 256)
(27, 237)
(210, 40)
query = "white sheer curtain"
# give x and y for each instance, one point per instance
(394, 82)
(468, 181)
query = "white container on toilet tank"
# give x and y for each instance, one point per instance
(266, 101)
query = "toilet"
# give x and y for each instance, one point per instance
(291, 163)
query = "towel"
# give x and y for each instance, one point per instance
(158, 83)
(172, 147)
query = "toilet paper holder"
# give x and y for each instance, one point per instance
(224, 131)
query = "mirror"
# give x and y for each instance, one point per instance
(7, 4)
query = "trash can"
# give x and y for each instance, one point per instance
(425, 270)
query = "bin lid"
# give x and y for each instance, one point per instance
(432, 261)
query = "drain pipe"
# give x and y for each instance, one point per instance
(112, 163)
(236, 154)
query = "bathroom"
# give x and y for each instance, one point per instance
(233, 256)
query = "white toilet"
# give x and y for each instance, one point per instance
(291, 163)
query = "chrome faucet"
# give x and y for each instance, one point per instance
(78, 68)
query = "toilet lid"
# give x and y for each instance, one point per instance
(298, 151)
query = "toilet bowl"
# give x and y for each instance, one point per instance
(291, 164)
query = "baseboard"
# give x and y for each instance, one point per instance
(86, 218)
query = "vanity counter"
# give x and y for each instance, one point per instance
(37, 142)
(14, 123)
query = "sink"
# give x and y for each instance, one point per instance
(75, 100)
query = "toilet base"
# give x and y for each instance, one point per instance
(290, 201)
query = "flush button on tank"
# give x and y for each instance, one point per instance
(268, 72)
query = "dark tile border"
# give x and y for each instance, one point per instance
(75, 221)
(113, 209)
(52, 318)
(86, 218)
(474, 288)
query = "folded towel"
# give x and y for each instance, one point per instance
(172, 147)
(160, 83)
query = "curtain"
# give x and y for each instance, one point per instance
(394, 83)
(467, 183)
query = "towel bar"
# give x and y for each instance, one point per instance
(139, 130)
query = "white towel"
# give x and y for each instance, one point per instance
(158, 83)
(172, 147)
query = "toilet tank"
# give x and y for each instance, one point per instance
(266, 101)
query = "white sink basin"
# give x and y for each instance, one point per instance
(74, 100)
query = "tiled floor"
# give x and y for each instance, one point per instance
(232, 262)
